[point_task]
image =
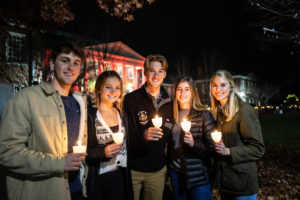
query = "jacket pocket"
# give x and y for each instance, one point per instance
(235, 177)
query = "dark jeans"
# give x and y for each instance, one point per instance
(77, 196)
(112, 185)
(225, 196)
(181, 192)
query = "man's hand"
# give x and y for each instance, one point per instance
(153, 134)
(188, 139)
(112, 150)
(73, 161)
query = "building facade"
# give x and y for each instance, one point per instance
(118, 57)
(245, 88)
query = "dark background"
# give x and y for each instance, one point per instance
(193, 30)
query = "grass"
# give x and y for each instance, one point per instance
(283, 130)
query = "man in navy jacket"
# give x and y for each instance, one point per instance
(146, 142)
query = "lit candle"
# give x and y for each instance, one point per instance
(157, 121)
(216, 136)
(185, 125)
(118, 137)
(79, 148)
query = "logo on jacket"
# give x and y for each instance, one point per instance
(143, 117)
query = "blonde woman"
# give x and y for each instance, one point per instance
(189, 152)
(241, 143)
(107, 161)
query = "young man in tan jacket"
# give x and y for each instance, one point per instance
(39, 126)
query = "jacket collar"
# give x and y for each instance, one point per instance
(50, 90)
(165, 95)
(47, 88)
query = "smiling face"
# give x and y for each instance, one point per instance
(66, 69)
(155, 74)
(184, 94)
(220, 89)
(111, 90)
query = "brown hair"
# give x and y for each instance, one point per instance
(67, 47)
(99, 85)
(195, 100)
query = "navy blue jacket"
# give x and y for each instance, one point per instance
(139, 109)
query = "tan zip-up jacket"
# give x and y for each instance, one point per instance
(34, 141)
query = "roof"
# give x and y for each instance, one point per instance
(116, 48)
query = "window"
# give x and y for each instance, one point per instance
(140, 81)
(15, 49)
(242, 86)
(120, 70)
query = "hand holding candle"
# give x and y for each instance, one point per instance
(216, 136)
(154, 134)
(118, 137)
(79, 148)
(157, 121)
(186, 125)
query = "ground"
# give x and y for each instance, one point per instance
(279, 176)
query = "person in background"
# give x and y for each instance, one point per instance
(190, 152)
(107, 160)
(241, 143)
(146, 142)
(39, 126)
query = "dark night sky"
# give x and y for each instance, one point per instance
(190, 28)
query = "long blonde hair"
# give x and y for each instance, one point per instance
(100, 83)
(232, 106)
(195, 100)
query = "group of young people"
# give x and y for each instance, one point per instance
(41, 124)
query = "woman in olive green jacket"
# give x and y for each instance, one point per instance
(241, 144)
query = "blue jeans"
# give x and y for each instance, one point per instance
(226, 196)
(181, 192)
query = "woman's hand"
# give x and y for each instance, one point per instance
(188, 139)
(112, 150)
(220, 148)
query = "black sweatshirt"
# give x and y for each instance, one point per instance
(139, 109)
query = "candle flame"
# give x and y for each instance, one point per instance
(186, 125)
(216, 136)
(157, 121)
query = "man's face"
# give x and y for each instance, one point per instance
(155, 74)
(66, 68)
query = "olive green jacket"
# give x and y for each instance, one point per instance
(34, 141)
(237, 173)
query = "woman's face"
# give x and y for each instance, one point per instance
(111, 90)
(220, 89)
(184, 94)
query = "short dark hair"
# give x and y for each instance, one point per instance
(67, 47)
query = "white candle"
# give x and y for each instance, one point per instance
(118, 137)
(157, 121)
(186, 125)
(79, 148)
(216, 136)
